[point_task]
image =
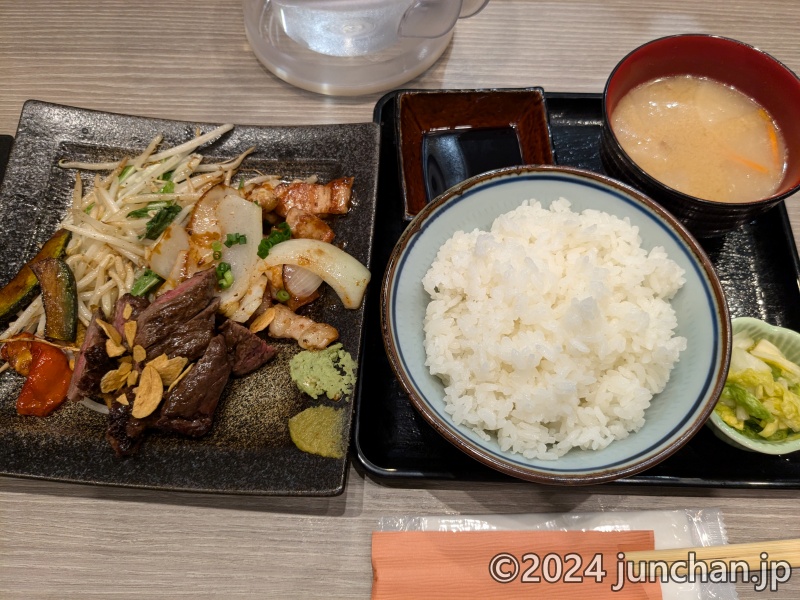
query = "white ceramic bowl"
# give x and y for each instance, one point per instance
(674, 415)
(788, 342)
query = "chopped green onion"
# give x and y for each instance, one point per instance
(89, 208)
(235, 238)
(282, 296)
(167, 188)
(217, 248)
(224, 276)
(123, 175)
(279, 234)
(167, 176)
(161, 220)
(146, 281)
(241, 183)
(151, 207)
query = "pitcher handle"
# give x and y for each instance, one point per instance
(470, 8)
(435, 18)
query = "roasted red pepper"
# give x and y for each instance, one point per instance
(46, 386)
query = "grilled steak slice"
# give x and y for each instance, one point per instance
(91, 364)
(246, 351)
(137, 304)
(189, 408)
(124, 432)
(159, 320)
(189, 339)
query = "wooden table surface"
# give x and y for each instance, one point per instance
(191, 60)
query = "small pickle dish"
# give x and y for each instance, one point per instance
(759, 409)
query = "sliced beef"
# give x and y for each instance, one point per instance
(159, 320)
(137, 304)
(91, 364)
(183, 322)
(246, 351)
(125, 433)
(188, 339)
(189, 408)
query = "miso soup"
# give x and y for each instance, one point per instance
(702, 138)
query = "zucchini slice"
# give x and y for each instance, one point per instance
(18, 292)
(59, 297)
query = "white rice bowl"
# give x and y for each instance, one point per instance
(553, 329)
(666, 356)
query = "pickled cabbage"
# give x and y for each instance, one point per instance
(761, 397)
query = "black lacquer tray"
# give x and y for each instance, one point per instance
(757, 264)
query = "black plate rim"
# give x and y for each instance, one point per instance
(365, 136)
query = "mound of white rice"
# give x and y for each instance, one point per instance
(553, 330)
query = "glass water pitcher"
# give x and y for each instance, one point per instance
(352, 47)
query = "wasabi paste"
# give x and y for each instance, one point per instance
(330, 372)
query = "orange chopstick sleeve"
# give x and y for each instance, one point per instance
(551, 565)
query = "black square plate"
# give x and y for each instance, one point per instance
(248, 449)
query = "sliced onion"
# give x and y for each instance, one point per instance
(300, 282)
(237, 215)
(252, 299)
(166, 252)
(95, 406)
(347, 276)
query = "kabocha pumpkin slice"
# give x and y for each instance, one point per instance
(18, 292)
(59, 297)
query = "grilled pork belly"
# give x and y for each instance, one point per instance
(305, 225)
(332, 198)
(309, 334)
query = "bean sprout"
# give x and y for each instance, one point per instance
(108, 249)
